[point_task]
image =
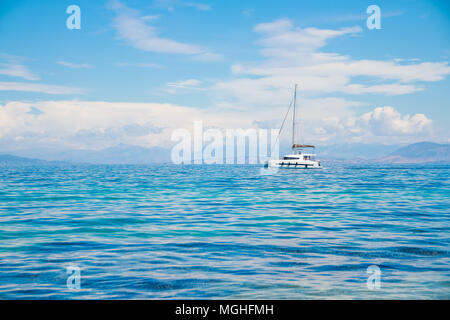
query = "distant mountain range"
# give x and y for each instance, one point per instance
(419, 153)
(120, 154)
(353, 151)
(7, 160)
(422, 152)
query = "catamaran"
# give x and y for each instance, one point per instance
(297, 159)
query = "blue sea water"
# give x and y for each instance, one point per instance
(224, 231)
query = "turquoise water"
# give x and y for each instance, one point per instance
(224, 231)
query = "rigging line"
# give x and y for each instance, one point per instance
(281, 128)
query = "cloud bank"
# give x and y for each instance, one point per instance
(296, 55)
(97, 125)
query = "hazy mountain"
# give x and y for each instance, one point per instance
(10, 160)
(355, 151)
(424, 150)
(120, 154)
(127, 154)
(419, 153)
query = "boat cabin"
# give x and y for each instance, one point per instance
(300, 156)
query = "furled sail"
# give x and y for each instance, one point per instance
(302, 146)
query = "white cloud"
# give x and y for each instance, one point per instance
(198, 6)
(329, 64)
(383, 124)
(140, 65)
(75, 65)
(172, 87)
(258, 94)
(184, 83)
(14, 68)
(171, 4)
(362, 17)
(386, 121)
(208, 57)
(98, 124)
(280, 37)
(39, 87)
(295, 55)
(132, 27)
(387, 89)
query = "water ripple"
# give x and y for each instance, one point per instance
(224, 231)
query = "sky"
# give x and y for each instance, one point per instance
(137, 70)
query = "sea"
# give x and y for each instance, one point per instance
(348, 231)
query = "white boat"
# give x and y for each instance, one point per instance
(297, 159)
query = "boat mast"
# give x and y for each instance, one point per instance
(293, 117)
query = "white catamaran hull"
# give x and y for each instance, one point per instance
(294, 164)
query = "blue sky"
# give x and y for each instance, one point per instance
(159, 65)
